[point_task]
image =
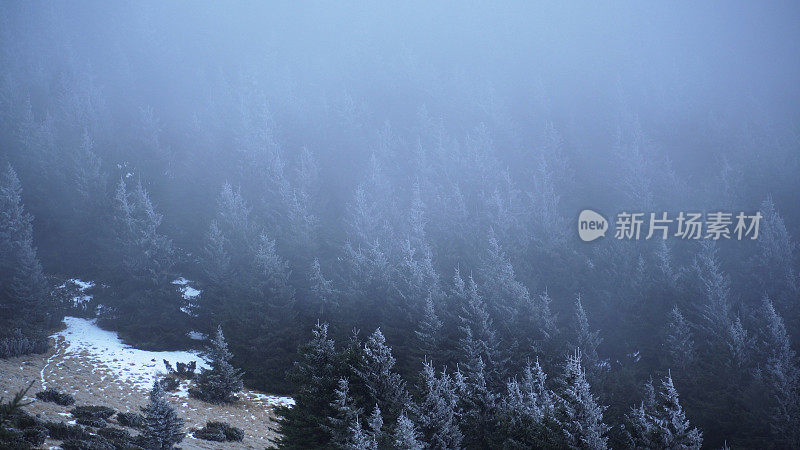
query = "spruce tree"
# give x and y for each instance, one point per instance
(315, 374)
(680, 345)
(163, 427)
(322, 291)
(579, 413)
(478, 339)
(344, 415)
(428, 332)
(586, 339)
(438, 413)
(22, 283)
(528, 411)
(222, 381)
(659, 421)
(405, 435)
(376, 371)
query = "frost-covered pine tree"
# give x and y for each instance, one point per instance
(405, 434)
(775, 260)
(676, 428)
(680, 345)
(216, 261)
(146, 254)
(428, 331)
(222, 381)
(376, 370)
(479, 416)
(322, 291)
(305, 425)
(344, 415)
(22, 283)
(585, 339)
(578, 411)
(438, 412)
(163, 427)
(528, 411)
(478, 339)
(659, 421)
(779, 373)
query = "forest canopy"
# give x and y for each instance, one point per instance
(395, 190)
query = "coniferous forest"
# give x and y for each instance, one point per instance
(379, 206)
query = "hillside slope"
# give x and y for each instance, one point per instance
(97, 369)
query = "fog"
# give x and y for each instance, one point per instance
(360, 164)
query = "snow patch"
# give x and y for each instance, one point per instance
(269, 400)
(139, 367)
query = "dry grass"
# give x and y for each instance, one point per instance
(90, 384)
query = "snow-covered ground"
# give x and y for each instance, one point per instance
(107, 350)
(86, 341)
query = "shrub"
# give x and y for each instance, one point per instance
(62, 431)
(87, 422)
(219, 432)
(17, 345)
(185, 370)
(114, 434)
(35, 435)
(130, 419)
(91, 443)
(92, 412)
(169, 383)
(53, 396)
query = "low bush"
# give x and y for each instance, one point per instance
(88, 422)
(114, 434)
(53, 396)
(62, 431)
(92, 412)
(130, 419)
(169, 383)
(91, 443)
(219, 432)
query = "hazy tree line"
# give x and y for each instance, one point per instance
(425, 204)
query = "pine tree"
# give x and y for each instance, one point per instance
(585, 339)
(677, 433)
(163, 427)
(480, 416)
(221, 382)
(385, 387)
(679, 340)
(405, 434)
(528, 411)
(22, 283)
(305, 425)
(216, 261)
(579, 413)
(659, 421)
(478, 339)
(345, 413)
(779, 374)
(146, 254)
(428, 332)
(322, 291)
(438, 413)
(775, 260)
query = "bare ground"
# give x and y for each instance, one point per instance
(93, 384)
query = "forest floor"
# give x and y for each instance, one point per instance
(95, 368)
